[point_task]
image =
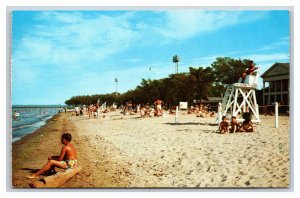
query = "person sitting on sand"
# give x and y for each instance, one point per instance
(95, 111)
(190, 110)
(148, 110)
(67, 158)
(142, 111)
(201, 114)
(223, 125)
(106, 110)
(235, 126)
(172, 110)
(247, 126)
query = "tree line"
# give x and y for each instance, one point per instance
(199, 83)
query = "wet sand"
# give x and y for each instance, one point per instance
(127, 151)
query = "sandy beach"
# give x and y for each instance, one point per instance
(128, 151)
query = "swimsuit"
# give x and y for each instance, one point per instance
(159, 107)
(69, 163)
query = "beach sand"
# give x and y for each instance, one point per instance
(127, 151)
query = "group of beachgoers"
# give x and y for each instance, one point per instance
(201, 111)
(235, 126)
(145, 110)
(93, 110)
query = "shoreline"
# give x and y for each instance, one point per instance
(118, 151)
(34, 149)
(40, 123)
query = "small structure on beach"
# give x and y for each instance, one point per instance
(240, 97)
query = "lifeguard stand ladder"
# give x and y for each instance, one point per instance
(240, 97)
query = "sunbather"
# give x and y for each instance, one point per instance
(67, 158)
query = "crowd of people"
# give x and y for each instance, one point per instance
(157, 109)
(201, 111)
(93, 110)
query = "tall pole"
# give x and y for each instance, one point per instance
(116, 80)
(276, 114)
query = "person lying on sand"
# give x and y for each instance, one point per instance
(223, 125)
(67, 158)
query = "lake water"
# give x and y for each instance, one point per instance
(29, 120)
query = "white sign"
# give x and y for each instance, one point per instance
(183, 105)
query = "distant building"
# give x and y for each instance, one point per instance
(276, 84)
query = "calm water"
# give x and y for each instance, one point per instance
(29, 120)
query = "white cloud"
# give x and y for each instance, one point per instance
(185, 24)
(275, 57)
(282, 42)
(70, 40)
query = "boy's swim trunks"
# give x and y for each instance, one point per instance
(69, 163)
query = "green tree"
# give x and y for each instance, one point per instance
(228, 70)
(203, 79)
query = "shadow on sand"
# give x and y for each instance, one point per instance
(192, 123)
(31, 170)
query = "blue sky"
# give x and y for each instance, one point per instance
(60, 54)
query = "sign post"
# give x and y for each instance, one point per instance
(176, 115)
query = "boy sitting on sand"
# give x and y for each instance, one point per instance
(67, 158)
(223, 125)
(235, 126)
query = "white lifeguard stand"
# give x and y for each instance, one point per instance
(240, 97)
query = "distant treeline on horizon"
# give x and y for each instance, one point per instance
(199, 83)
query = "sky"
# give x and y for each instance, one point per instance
(59, 54)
